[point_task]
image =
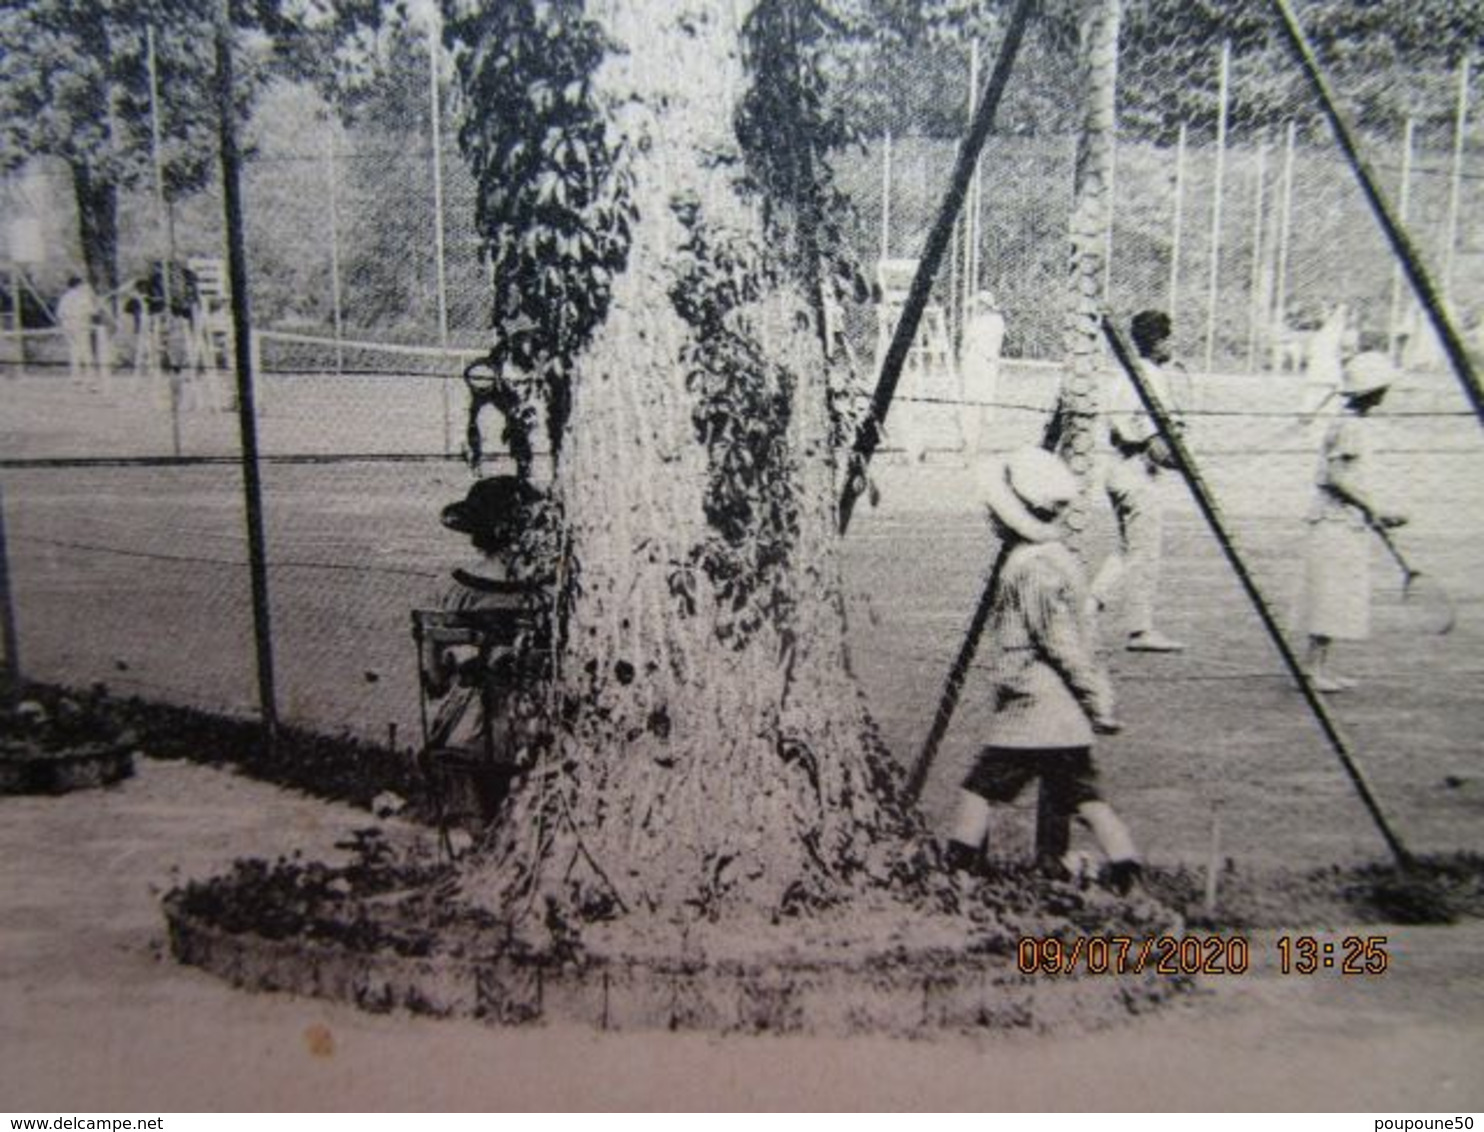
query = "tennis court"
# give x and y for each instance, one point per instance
(131, 571)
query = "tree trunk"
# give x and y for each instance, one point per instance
(1077, 408)
(1073, 428)
(97, 221)
(715, 755)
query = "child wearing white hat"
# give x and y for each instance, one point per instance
(1335, 598)
(1050, 692)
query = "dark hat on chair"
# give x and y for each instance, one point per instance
(494, 508)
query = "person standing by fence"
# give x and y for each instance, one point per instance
(1335, 598)
(979, 367)
(77, 314)
(1050, 693)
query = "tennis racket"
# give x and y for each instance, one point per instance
(1421, 592)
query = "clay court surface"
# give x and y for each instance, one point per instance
(134, 576)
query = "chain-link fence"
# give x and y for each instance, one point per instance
(1232, 209)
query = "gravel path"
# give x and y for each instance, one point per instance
(94, 1015)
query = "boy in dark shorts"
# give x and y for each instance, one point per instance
(1050, 692)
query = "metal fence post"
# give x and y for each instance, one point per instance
(435, 114)
(1176, 223)
(332, 189)
(7, 620)
(1455, 177)
(1213, 280)
(231, 161)
(1403, 203)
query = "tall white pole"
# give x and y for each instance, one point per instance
(1403, 202)
(1112, 212)
(333, 193)
(17, 320)
(167, 224)
(1255, 303)
(8, 632)
(1213, 282)
(971, 232)
(1455, 181)
(953, 309)
(157, 157)
(1176, 222)
(436, 113)
(977, 196)
(1285, 230)
(886, 196)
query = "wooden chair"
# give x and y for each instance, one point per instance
(472, 663)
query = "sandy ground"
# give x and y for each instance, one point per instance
(94, 1015)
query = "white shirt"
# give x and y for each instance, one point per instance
(76, 308)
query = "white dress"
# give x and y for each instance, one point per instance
(979, 373)
(1335, 598)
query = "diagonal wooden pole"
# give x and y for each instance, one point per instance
(1417, 275)
(869, 436)
(1206, 503)
(948, 702)
(1077, 401)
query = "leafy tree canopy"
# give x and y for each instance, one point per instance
(74, 84)
(1389, 59)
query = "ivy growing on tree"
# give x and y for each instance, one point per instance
(742, 404)
(553, 207)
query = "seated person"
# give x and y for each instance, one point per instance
(473, 665)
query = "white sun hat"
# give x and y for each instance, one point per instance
(1027, 491)
(1367, 373)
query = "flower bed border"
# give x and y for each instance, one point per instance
(901, 992)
